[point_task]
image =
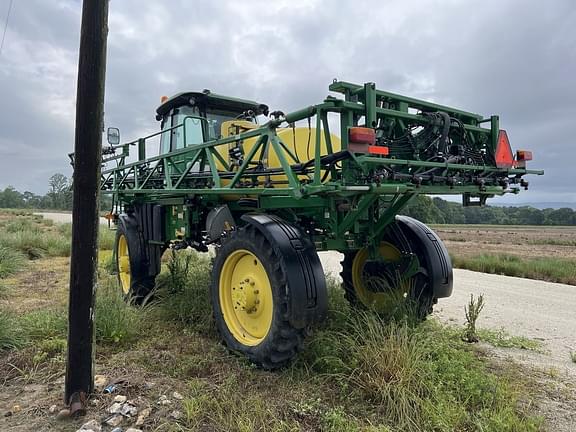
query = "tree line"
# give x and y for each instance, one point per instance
(439, 211)
(58, 197)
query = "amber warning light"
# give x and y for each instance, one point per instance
(363, 140)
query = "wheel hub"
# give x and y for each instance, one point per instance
(246, 296)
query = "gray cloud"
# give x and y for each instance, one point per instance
(513, 58)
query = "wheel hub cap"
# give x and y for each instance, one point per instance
(246, 297)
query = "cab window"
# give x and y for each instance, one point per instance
(189, 133)
(165, 137)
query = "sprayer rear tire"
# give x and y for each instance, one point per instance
(414, 291)
(250, 299)
(135, 282)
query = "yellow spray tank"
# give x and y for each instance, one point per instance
(301, 141)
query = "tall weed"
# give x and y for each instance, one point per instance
(183, 292)
(11, 336)
(116, 321)
(11, 261)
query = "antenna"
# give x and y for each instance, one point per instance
(6, 26)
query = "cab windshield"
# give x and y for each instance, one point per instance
(195, 130)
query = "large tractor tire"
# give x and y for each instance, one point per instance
(254, 298)
(412, 272)
(131, 262)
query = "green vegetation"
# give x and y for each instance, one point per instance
(499, 338)
(116, 321)
(10, 261)
(378, 374)
(472, 311)
(58, 197)
(358, 372)
(553, 242)
(560, 270)
(10, 334)
(35, 237)
(439, 211)
(183, 290)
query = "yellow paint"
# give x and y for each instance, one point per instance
(300, 141)
(246, 297)
(377, 301)
(123, 264)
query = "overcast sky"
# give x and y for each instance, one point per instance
(512, 58)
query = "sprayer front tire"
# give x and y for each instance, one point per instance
(250, 300)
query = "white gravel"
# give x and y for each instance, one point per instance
(64, 217)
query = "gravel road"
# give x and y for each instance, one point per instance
(64, 217)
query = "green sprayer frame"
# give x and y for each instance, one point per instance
(344, 199)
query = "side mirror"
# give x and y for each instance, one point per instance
(113, 136)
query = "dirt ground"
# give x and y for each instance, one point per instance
(529, 241)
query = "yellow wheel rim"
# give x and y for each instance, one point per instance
(380, 301)
(246, 297)
(123, 264)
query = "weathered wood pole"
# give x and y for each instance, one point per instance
(86, 180)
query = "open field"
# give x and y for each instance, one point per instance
(522, 241)
(357, 372)
(534, 252)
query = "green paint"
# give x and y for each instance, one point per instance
(358, 197)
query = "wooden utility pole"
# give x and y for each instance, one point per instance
(85, 220)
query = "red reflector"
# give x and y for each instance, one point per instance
(523, 155)
(379, 150)
(504, 157)
(362, 135)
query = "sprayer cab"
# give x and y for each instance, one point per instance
(202, 115)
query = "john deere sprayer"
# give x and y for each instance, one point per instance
(269, 190)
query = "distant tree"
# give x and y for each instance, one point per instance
(11, 198)
(32, 200)
(422, 208)
(562, 216)
(452, 212)
(60, 192)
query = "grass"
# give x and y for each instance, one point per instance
(10, 334)
(500, 338)
(36, 243)
(414, 377)
(182, 291)
(560, 270)
(357, 372)
(372, 373)
(11, 261)
(552, 241)
(35, 237)
(117, 322)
